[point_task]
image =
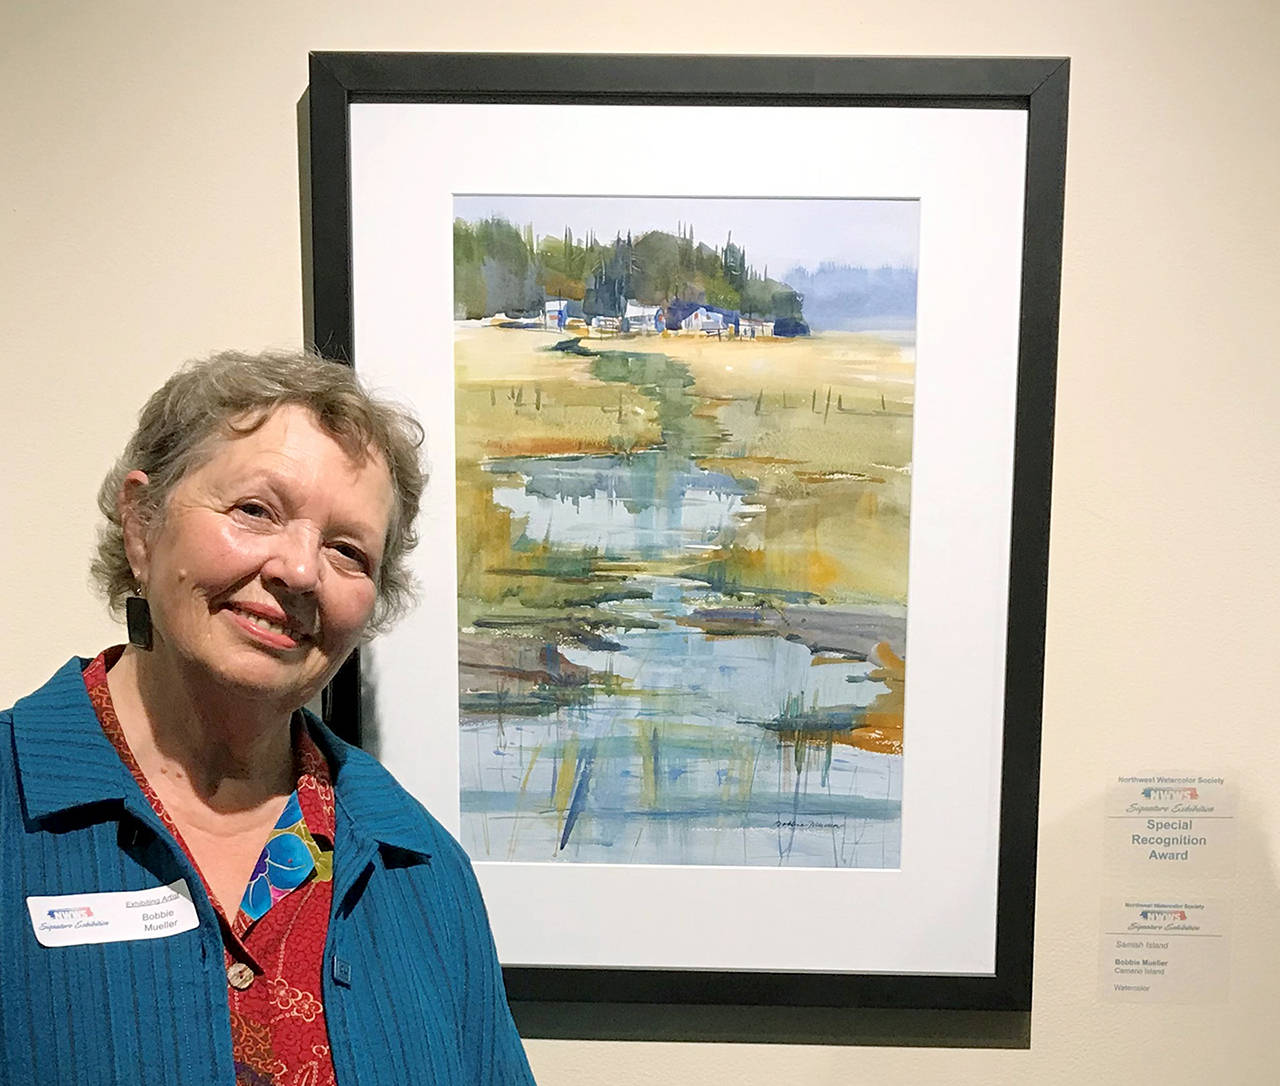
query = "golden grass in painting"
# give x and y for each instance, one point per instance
(819, 427)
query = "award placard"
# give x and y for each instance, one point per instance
(1174, 824)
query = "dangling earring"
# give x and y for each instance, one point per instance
(137, 619)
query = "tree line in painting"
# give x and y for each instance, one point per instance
(499, 268)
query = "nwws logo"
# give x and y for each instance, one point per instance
(82, 913)
(1170, 794)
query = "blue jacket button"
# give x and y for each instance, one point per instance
(342, 972)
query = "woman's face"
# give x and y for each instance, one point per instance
(262, 571)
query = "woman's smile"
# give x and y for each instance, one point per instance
(269, 624)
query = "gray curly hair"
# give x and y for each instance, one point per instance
(231, 394)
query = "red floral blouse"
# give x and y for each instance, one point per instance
(274, 946)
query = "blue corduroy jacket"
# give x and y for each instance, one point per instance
(412, 988)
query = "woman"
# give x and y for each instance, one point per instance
(201, 883)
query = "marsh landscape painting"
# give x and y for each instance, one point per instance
(684, 436)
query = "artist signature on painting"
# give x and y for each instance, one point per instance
(808, 824)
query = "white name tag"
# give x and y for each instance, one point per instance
(74, 919)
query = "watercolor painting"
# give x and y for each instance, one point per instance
(684, 435)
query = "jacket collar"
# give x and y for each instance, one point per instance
(64, 759)
(376, 804)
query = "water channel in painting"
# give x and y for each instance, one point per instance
(664, 741)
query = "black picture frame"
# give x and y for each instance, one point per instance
(1037, 86)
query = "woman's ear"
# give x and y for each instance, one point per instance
(129, 507)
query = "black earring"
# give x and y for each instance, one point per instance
(137, 616)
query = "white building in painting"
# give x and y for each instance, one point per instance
(642, 319)
(704, 321)
(754, 328)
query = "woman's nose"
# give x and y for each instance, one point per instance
(295, 558)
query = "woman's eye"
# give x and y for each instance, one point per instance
(351, 556)
(254, 509)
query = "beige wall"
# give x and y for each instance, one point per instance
(150, 210)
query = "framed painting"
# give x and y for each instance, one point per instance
(738, 376)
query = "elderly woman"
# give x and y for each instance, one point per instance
(201, 883)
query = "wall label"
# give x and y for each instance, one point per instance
(1164, 950)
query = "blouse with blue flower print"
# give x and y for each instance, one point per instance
(290, 855)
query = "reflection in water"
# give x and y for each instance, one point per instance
(671, 767)
(645, 505)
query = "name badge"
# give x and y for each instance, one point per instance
(76, 919)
